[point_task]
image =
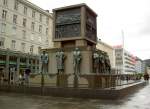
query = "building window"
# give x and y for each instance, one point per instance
(39, 50)
(16, 5)
(3, 28)
(40, 17)
(40, 39)
(25, 10)
(46, 31)
(13, 44)
(24, 22)
(32, 26)
(32, 36)
(5, 2)
(33, 13)
(31, 48)
(14, 29)
(47, 20)
(40, 28)
(15, 19)
(46, 40)
(2, 40)
(23, 34)
(23, 47)
(4, 14)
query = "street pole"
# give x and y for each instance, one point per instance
(123, 69)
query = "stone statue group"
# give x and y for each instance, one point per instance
(60, 59)
(101, 62)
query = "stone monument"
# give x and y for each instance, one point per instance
(75, 33)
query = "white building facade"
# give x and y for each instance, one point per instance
(139, 65)
(24, 26)
(125, 61)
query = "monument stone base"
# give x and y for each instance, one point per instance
(62, 80)
(86, 62)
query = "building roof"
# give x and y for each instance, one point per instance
(74, 6)
(103, 43)
(36, 7)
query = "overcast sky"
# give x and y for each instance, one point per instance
(131, 16)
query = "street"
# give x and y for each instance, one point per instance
(138, 100)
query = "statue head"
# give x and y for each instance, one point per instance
(61, 50)
(76, 49)
(96, 50)
(44, 52)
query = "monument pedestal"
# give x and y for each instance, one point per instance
(76, 81)
(75, 35)
(86, 61)
(100, 80)
(62, 80)
(94, 81)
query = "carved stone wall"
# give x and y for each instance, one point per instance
(91, 28)
(68, 23)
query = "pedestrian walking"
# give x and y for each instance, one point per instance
(146, 77)
(21, 79)
(1, 76)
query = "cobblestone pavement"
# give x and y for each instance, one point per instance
(138, 100)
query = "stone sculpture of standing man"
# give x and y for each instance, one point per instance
(77, 61)
(96, 61)
(102, 63)
(44, 59)
(107, 64)
(60, 59)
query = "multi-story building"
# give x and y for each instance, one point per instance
(139, 65)
(24, 29)
(125, 61)
(109, 50)
(24, 26)
(147, 65)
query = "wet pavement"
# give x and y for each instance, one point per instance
(138, 100)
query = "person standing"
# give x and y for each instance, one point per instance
(1, 76)
(146, 77)
(21, 79)
(27, 74)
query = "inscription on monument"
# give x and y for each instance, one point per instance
(68, 23)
